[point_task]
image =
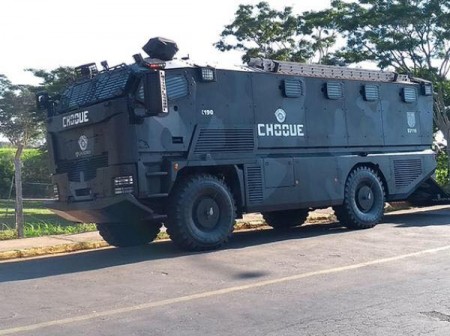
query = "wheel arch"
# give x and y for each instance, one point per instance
(232, 175)
(376, 168)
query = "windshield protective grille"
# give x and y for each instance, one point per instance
(106, 85)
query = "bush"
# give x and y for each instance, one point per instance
(36, 176)
(442, 169)
(6, 171)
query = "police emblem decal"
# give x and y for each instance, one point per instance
(280, 129)
(411, 118)
(83, 142)
(280, 115)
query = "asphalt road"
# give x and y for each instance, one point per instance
(314, 280)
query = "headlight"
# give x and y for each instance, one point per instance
(208, 74)
(123, 185)
(427, 89)
(55, 191)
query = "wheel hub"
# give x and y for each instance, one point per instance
(365, 198)
(207, 213)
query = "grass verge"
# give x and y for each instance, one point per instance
(39, 221)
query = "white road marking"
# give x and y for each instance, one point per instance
(218, 292)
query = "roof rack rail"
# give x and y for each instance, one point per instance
(326, 71)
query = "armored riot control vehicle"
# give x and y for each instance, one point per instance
(194, 147)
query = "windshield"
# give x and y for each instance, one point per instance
(106, 85)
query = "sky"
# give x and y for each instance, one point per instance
(45, 34)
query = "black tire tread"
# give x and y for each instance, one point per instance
(345, 214)
(176, 228)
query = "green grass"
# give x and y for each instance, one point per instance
(39, 221)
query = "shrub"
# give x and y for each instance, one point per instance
(36, 177)
(442, 169)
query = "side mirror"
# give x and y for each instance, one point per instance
(155, 94)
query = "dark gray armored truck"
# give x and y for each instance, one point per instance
(195, 147)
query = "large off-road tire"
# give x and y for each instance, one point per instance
(282, 220)
(128, 234)
(363, 206)
(201, 213)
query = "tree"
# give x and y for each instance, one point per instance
(411, 36)
(21, 124)
(261, 31)
(53, 81)
(5, 84)
(320, 29)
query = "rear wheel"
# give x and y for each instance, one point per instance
(363, 206)
(202, 213)
(285, 219)
(128, 234)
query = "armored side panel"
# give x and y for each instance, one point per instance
(281, 139)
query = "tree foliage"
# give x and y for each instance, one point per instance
(261, 31)
(21, 124)
(320, 30)
(53, 81)
(5, 84)
(409, 35)
(36, 173)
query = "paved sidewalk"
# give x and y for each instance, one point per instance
(32, 247)
(39, 246)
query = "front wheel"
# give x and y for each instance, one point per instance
(363, 206)
(201, 213)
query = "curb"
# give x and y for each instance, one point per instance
(79, 246)
(48, 250)
(242, 225)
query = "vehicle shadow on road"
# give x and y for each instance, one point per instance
(24, 269)
(432, 217)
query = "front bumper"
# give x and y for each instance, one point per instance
(115, 209)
